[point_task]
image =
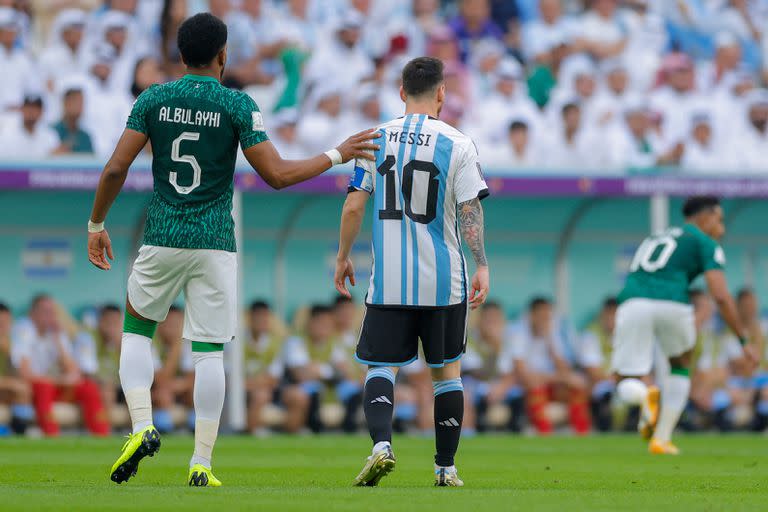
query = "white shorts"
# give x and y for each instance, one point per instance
(640, 324)
(208, 279)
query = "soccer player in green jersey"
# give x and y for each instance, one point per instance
(194, 126)
(654, 309)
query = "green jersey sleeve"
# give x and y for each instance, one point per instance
(711, 255)
(137, 120)
(248, 122)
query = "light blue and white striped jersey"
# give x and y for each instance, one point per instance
(424, 169)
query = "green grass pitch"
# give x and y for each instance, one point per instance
(315, 473)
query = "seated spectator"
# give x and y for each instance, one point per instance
(543, 35)
(43, 355)
(711, 74)
(283, 133)
(507, 101)
(16, 62)
(487, 384)
(253, 40)
(319, 127)
(341, 57)
(64, 54)
(634, 145)
(115, 27)
(263, 344)
(28, 137)
(14, 391)
(609, 101)
(752, 145)
(366, 113)
(473, 24)
(314, 361)
(414, 398)
(103, 104)
(518, 151)
(676, 99)
(647, 40)
(712, 394)
(541, 367)
(174, 370)
(599, 31)
(594, 356)
(578, 82)
(173, 14)
(72, 137)
(572, 148)
(98, 353)
(702, 152)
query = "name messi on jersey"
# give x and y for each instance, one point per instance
(188, 116)
(420, 139)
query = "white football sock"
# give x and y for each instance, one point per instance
(381, 445)
(632, 391)
(137, 372)
(675, 391)
(209, 401)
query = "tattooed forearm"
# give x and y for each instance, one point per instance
(471, 222)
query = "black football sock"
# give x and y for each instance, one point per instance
(378, 400)
(449, 413)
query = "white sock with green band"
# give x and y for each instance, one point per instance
(137, 370)
(208, 397)
(675, 390)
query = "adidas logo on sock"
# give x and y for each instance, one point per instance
(450, 422)
(381, 399)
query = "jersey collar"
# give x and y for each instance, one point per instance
(200, 78)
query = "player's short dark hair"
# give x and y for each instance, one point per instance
(37, 299)
(489, 305)
(4, 308)
(610, 302)
(697, 204)
(518, 125)
(200, 39)
(258, 305)
(316, 310)
(538, 301)
(109, 308)
(341, 300)
(422, 75)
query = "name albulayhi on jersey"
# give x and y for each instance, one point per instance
(190, 117)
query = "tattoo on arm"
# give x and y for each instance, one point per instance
(471, 222)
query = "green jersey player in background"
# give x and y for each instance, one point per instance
(194, 126)
(654, 309)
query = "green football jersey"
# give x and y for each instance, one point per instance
(665, 265)
(194, 125)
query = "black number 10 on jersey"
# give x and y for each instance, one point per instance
(390, 211)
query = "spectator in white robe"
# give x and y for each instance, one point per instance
(64, 55)
(320, 125)
(703, 152)
(29, 138)
(608, 105)
(18, 68)
(572, 148)
(550, 30)
(647, 41)
(752, 145)
(283, 133)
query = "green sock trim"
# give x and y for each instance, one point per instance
(139, 326)
(679, 370)
(199, 346)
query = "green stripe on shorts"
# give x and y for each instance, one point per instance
(200, 346)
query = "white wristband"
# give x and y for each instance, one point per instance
(95, 227)
(334, 155)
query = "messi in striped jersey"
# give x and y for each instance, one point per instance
(426, 184)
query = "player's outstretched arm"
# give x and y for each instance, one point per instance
(111, 182)
(473, 231)
(280, 173)
(718, 288)
(351, 220)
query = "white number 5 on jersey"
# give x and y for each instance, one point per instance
(187, 159)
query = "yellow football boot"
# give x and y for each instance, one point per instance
(657, 447)
(145, 443)
(650, 413)
(201, 476)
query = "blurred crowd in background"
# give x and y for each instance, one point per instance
(531, 372)
(569, 85)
